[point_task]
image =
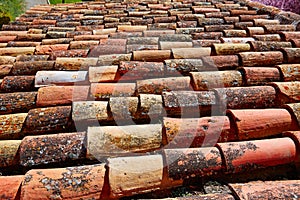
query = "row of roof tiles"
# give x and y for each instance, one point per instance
(126, 176)
(102, 141)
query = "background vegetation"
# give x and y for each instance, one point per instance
(12, 8)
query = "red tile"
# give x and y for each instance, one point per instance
(269, 45)
(85, 44)
(71, 183)
(197, 132)
(214, 28)
(133, 70)
(279, 28)
(9, 150)
(216, 79)
(17, 84)
(61, 95)
(74, 64)
(207, 35)
(47, 49)
(256, 154)
(260, 75)
(291, 55)
(69, 53)
(222, 62)
(157, 86)
(192, 162)
(132, 175)
(7, 38)
(251, 17)
(287, 92)
(31, 67)
(107, 49)
(267, 122)
(296, 43)
(266, 58)
(10, 186)
(288, 35)
(89, 37)
(235, 33)
(56, 41)
(107, 90)
(40, 120)
(287, 189)
(208, 197)
(39, 150)
(243, 25)
(268, 37)
(31, 37)
(242, 12)
(205, 43)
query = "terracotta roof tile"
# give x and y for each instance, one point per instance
(129, 74)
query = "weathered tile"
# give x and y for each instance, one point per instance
(285, 189)
(268, 37)
(11, 125)
(74, 63)
(207, 35)
(9, 150)
(247, 17)
(121, 140)
(193, 162)
(47, 78)
(133, 70)
(126, 28)
(113, 59)
(157, 33)
(102, 73)
(107, 90)
(175, 38)
(266, 58)
(17, 102)
(157, 86)
(197, 132)
(290, 72)
(247, 97)
(127, 111)
(239, 40)
(205, 43)
(31, 37)
(150, 105)
(72, 182)
(260, 75)
(31, 58)
(90, 110)
(74, 53)
(288, 35)
(23, 44)
(17, 84)
(56, 41)
(107, 50)
(85, 44)
(291, 55)
(7, 60)
(39, 150)
(41, 120)
(176, 67)
(129, 174)
(31, 67)
(151, 55)
(294, 109)
(224, 62)
(61, 95)
(48, 49)
(189, 53)
(279, 28)
(249, 155)
(269, 45)
(287, 92)
(214, 28)
(235, 33)
(229, 48)
(216, 79)
(15, 51)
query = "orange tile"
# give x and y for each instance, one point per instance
(249, 155)
(260, 75)
(264, 125)
(265, 58)
(71, 183)
(10, 186)
(61, 95)
(107, 90)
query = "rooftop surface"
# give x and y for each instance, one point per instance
(151, 99)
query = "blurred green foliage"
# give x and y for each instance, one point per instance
(12, 8)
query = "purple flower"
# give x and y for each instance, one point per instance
(287, 5)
